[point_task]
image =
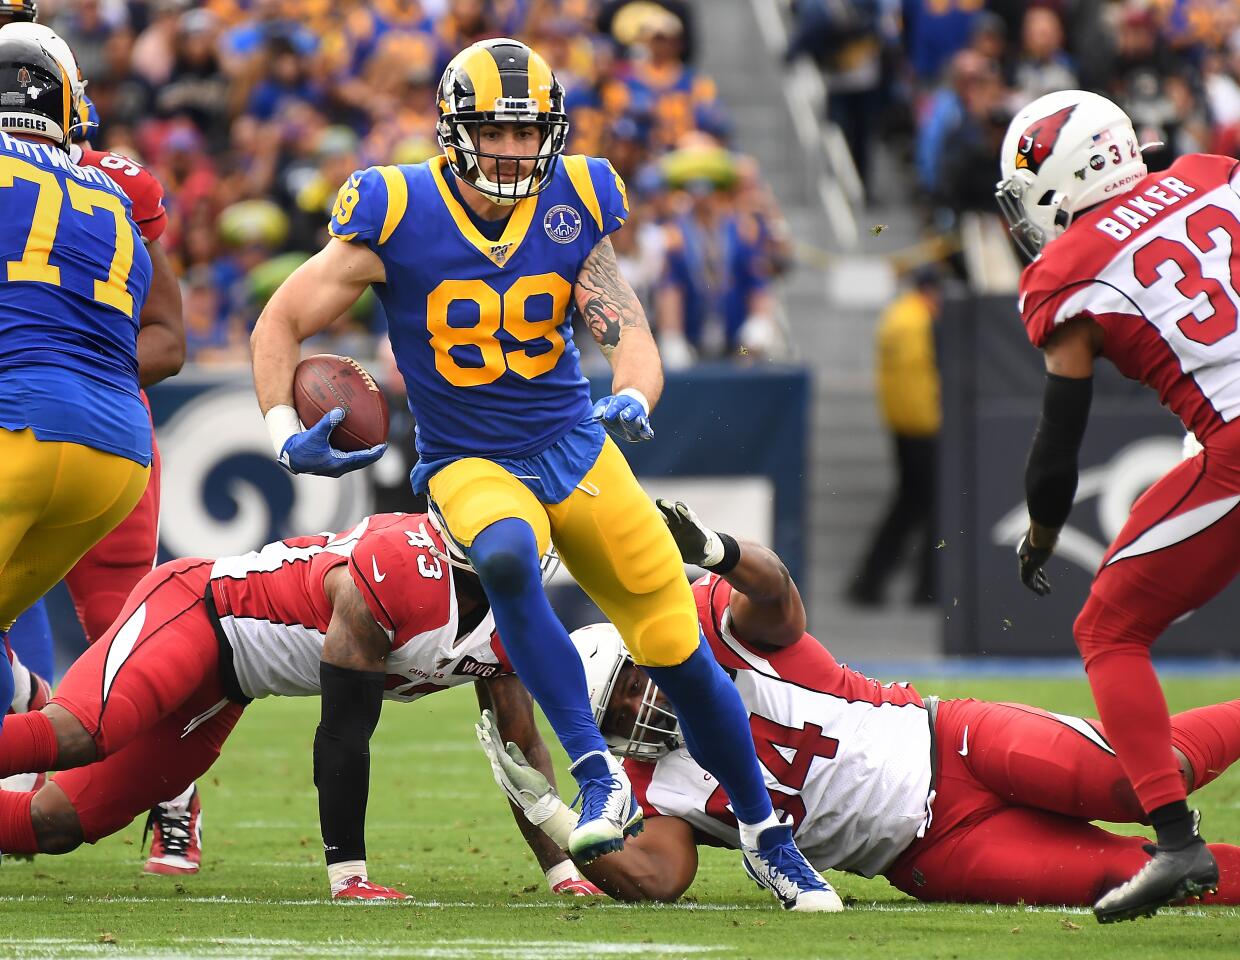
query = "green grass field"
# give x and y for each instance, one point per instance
(439, 831)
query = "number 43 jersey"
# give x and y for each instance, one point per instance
(481, 329)
(848, 758)
(1158, 267)
(273, 613)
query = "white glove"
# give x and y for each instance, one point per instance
(524, 785)
(1191, 446)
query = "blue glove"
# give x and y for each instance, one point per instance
(624, 417)
(310, 451)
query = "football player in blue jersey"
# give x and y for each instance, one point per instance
(479, 257)
(75, 440)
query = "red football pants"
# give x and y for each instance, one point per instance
(102, 580)
(1177, 550)
(149, 693)
(1016, 789)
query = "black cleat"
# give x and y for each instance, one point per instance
(1171, 875)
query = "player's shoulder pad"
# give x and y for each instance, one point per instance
(1058, 285)
(145, 192)
(369, 205)
(403, 583)
(1203, 170)
(601, 190)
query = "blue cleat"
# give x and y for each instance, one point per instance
(609, 811)
(779, 866)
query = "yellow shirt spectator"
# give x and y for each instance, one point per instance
(908, 376)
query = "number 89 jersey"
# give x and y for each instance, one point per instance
(480, 329)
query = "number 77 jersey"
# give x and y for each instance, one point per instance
(481, 328)
(1158, 268)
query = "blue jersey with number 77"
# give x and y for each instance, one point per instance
(481, 329)
(76, 277)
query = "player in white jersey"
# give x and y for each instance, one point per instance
(956, 800)
(1144, 270)
(377, 612)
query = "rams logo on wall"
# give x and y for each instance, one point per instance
(223, 492)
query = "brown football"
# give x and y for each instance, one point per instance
(325, 381)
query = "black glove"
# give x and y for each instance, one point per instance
(697, 543)
(1032, 560)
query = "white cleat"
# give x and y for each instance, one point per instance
(778, 865)
(609, 811)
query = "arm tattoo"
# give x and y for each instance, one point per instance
(605, 299)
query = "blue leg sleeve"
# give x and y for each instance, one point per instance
(31, 639)
(505, 555)
(6, 682)
(716, 729)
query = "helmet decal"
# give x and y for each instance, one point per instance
(1037, 142)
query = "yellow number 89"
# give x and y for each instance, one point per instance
(346, 200)
(495, 312)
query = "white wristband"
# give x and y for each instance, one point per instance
(282, 422)
(561, 872)
(554, 818)
(638, 396)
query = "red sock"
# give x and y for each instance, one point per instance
(1131, 705)
(1210, 738)
(16, 824)
(27, 745)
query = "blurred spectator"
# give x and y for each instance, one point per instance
(842, 36)
(908, 391)
(1043, 66)
(198, 89)
(660, 91)
(969, 77)
(715, 282)
(933, 31)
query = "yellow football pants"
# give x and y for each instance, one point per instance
(609, 535)
(57, 500)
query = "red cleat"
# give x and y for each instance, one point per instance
(176, 841)
(355, 888)
(576, 887)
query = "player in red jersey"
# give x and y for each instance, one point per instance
(957, 800)
(105, 576)
(1144, 270)
(372, 613)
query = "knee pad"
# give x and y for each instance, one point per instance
(664, 639)
(505, 556)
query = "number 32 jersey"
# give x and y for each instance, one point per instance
(481, 329)
(848, 758)
(1158, 267)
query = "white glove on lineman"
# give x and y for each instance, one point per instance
(524, 785)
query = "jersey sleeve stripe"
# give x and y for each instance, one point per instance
(623, 190)
(579, 173)
(397, 200)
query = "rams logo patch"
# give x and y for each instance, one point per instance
(562, 223)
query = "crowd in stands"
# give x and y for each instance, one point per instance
(253, 112)
(958, 70)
